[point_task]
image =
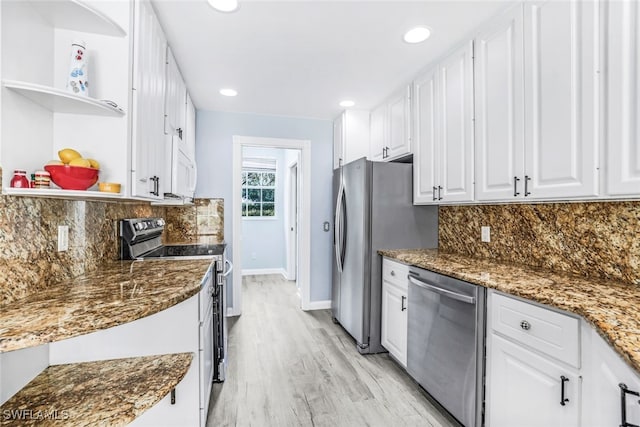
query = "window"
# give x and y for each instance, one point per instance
(258, 188)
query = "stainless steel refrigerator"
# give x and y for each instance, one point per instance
(373, 205)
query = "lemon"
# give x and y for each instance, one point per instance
(68, 154)
(94, 163)
(80, 162)
(55, 162)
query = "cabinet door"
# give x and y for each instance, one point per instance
(175, 99)
(561, 120)
(425, 139)
(190, 129)
(338, 141)
(148, 99)
(524, 389)
(399, 143)
(499, 109)
(623, 102)
(378, 132)
(356, 135)
(602, 377)
(394, 321)
(455, 114)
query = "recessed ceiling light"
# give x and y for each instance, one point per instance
(228, 92)
(417, 35)
(224, 5)
(347, 103)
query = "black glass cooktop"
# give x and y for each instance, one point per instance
(185, 251)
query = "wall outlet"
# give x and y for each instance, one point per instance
(485, 233)
(63, 238)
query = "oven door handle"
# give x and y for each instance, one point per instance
(227, 263)
(453, 295)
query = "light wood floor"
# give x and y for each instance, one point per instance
(293, 368)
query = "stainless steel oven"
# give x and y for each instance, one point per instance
(141, 239)
(445, 347)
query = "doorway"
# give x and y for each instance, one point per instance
(296, 231)
(292, 223)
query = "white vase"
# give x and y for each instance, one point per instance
(77, 79)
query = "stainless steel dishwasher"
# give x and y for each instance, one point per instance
(445, 348)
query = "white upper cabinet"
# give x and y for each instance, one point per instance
(455, 78)
(378, 128)
(399, 143)
(561, 98)
(623, 100)
(391, 127)
(175, 98)
(425, 162)
(499, 108)
(350, 137)
(148, 103)
(443, 117)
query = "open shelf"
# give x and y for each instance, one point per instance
(61, 101)
(57, 193)
(77, 16)
(108, 392)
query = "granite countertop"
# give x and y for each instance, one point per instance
(119, 292)
(107, 392)
(610, 306)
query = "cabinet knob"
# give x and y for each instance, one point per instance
(393, 273)
(525, 325)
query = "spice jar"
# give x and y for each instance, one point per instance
(42, 179)
(19, 179)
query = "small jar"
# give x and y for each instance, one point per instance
(32, 183)
(42, 179)
(19, 179)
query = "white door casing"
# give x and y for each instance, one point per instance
(304, 229)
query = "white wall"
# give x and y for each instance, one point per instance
(214, 142)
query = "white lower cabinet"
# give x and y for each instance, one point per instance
(394, 309)
(604, 372)
(525, 386)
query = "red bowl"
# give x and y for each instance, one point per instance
(72, 177)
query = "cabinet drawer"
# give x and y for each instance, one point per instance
(544, 330)
(395, 273)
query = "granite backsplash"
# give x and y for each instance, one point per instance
(30, 262)
(598, 240)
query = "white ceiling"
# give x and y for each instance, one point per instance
(301, 57)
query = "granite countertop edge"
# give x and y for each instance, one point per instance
(605, 304)
(115, 294)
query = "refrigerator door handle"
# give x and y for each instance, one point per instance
(343, 229)
(337, 228)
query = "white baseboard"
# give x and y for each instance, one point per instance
(318, 305)
(259, 271)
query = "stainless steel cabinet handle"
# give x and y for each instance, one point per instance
(403, 307)
(439, 192)
(453, 295)
(525, 325)
(435, 189)
(515, 186)
(527, 178)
